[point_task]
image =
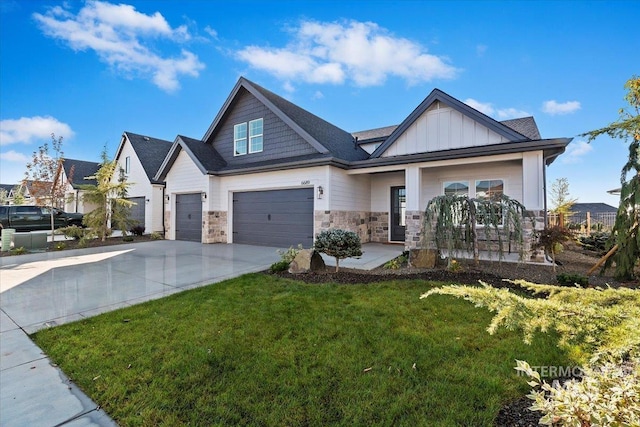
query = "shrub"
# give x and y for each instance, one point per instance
(339, 244)
(286, 256)
(73, 232)
(572, 279)
(127, 238)
(137, 230)
(596, 242)
(19, 251)
(156, 236)
(599, 327)
(551, 239)
(279, 266)
(60, 246)
(396, 263)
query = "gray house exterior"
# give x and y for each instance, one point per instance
(269, 172)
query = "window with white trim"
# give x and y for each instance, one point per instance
(490, 189)
(240, 139)
(255, 136)
(127, 164)
(457, 188)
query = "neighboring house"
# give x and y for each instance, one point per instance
(38, 192)
(6, 191)
(593, 208)
(268, 172)
(75, 174)
(139, 157)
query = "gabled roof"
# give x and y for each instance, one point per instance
(77, 170)
(437, 95)
(320, 134)
(150, 151)
(204, 156)
(525, 126)
(8, 187)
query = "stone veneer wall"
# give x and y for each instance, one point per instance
(413, 231)
(356, 221)
(167, 223)
(214, 227)
(379, 227)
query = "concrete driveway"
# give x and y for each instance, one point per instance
(47, 289)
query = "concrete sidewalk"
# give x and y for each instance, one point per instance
(52, 288)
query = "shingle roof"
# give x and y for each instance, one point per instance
(525, 125)
(150, 151)
(8, 187)
(373, 135)
(340, 143)
(78, 170)
(592, 207)
(208, 156)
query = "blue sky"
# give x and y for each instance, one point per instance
(88, 71)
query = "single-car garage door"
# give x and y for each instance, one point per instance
(189, 217)
(279, 218)
(136, 212)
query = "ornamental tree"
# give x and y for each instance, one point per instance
(626, 230)
(339, 244)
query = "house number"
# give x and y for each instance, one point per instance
(307, 182)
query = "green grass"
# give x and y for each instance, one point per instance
(259, 350)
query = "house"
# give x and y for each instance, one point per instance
(74, 174)
(140, 157)
(268, 172)
(6, 193)
(594, 208)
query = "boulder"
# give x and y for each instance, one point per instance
(305, 261)
(424, 258)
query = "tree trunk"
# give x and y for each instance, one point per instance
(337, 264)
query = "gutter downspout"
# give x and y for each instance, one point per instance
(164, 229)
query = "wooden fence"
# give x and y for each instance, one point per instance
(584, 222)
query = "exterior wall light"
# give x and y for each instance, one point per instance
(320, 191)
(203, 196)
(167, 198)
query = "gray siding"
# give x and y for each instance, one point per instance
(279, 140)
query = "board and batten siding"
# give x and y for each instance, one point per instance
(442, 128)
(279, 140)
(511, 172)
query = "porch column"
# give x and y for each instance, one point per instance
(533, 190)
(413, 213)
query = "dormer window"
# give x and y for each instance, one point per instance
(251, 143)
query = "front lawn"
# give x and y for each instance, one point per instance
(260, 350)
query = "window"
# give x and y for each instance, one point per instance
(240, 139)
(255, 136)
(457, 188)
(127, 164)
(490, 190)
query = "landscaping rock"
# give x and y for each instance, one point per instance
(424, 258)
(305, 261)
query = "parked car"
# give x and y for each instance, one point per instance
(32, 218)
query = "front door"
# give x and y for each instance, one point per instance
(398, 209)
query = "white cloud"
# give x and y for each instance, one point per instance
(552, 107)
(361, 52)
(576, 151)
(481, 49)
(14, 156)
(318, 95)
(499, 113)
(483, 107)
(288, 87)
(117, 33)
(213, 33)
(26, 129)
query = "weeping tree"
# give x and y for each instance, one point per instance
(457, 222)
(626, 230)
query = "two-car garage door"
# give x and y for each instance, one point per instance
(278, 218)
